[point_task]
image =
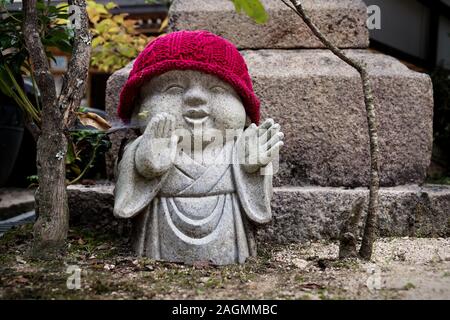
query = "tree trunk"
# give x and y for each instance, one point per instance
(51, 227)
(370, 229)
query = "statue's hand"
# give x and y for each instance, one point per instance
(157, 149)
(263, 144)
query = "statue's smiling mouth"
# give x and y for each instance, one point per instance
(195, 115)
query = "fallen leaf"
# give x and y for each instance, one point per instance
(93, 120)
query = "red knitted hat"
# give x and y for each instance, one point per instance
(193, 50)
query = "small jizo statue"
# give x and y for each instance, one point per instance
(200, 176)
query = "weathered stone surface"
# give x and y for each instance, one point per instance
(309, 213)
(15, 201)
(91, 208)
(302, 213)
(113, 88)
(318, 101)
(342, 21)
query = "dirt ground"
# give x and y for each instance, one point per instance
(402, 268)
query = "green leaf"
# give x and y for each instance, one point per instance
(237, 5)
(70, 156)
(253, 8)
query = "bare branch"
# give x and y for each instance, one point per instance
(372, 216)
(74, 83)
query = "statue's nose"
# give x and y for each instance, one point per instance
(196, 96)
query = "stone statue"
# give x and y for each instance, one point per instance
(200, 176)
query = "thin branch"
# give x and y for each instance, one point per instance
(372, 216)
(74, 83)
(290, 7)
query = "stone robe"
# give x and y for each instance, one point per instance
(193, 212)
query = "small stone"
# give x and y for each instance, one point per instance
(204, 279)
(109, 266)
(300, 263)
(149, 267)
(20, 260)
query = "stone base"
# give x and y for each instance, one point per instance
(342, 21)
(302, 213)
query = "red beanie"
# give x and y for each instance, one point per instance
(193, 50)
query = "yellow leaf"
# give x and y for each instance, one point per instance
(119, 18)
(94, 120)
(97, 41)
(104, 26)
(111, 5)
(114, 30)
(94, 18)
(164, 24)
(127, 51)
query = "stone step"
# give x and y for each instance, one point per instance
(310, 213)
(304, 213)
(14, 201)
(342, 21)
(318, 100)
(24, 218)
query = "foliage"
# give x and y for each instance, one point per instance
(14, 58)
(253, 8)
(3, 3)
(441, 124)
(53, 30)
(84, 149)
(115, 41)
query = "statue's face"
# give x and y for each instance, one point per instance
(195, 99)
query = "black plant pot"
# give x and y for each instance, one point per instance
(11, 134)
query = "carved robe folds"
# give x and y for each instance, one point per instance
(194, 212)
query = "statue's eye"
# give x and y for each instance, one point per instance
(218, 89)
(174, 88)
